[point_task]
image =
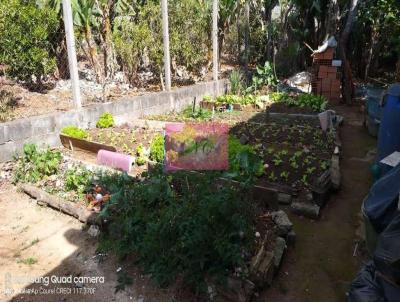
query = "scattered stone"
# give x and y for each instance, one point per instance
(309, 197)
(244, 139)
(94, 231)
(280, 246)
(284, 198)
(282, 222)
(335, 172)
(262, 268)
(257, 234)
(306, 209)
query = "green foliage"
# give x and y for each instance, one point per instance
(138, 40)
(199, 114)
(78, 180)
(25, 46)
(180, 224)
(315, 102)
(157, 148)
(265, 76)
(236, 80)
(34, 164)
(244, 163)
(228, 99)
(75, 132)
(141, 158)
(106, 120)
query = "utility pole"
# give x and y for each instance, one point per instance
(167, 58)
(215, 39)
(73, 64)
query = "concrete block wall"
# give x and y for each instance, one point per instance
(44, 130)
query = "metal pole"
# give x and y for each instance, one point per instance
(167, 59)
(73, 64)
(215, 39)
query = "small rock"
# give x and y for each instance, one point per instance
(282, 222)
(94, 231)
(280, 246)
(257, 234)
(244, 139)
(284, 198)
(306, 209)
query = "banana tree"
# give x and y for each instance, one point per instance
(227, 9)
(86, 15)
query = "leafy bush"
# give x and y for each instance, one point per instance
(78, 180)
(106, 120)
(25, 46)
(199, 114)
(265, 76)
(138, 40)
(243, 160)
(157, 148)
(34, 165)
(229, 99)
(74, 132)
(236, 80)
(315, 102)
(180, 224)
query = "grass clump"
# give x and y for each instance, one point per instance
(157, 148)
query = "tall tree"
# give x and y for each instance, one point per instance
(347, 87)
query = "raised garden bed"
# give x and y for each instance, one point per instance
(301, 161)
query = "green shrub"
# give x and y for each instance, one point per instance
(316, 103)
(265, 76)
(243, 161)
(236, 80)
(74, 132)
(229, 99)
(180, 224)
(25, 46)
(78, 180)
(199, 114)
(34, 164)
(157, 148)
(106, 120)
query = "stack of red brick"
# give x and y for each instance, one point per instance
(326, 78)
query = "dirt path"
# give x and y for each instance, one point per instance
(322, 265)
(36, 241)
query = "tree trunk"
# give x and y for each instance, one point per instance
(246, 35)
(167, 57)
(332, 19)
(347, 87)
(93, 55)
(371, 51)
(215, 40)
(110, 62)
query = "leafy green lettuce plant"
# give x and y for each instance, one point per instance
(106, 120)
(75, 132)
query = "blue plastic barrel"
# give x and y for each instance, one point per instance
(374, 109)
(389, 132)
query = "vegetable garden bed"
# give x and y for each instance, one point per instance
(301, 162)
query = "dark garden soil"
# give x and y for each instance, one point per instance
(295, 154)
(123, 138)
